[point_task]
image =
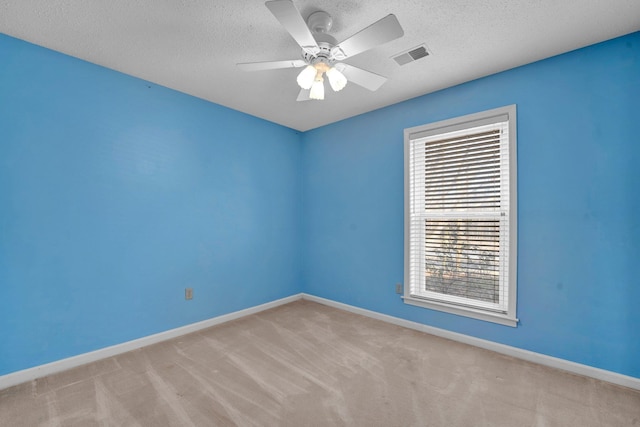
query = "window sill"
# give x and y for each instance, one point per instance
(488, 316)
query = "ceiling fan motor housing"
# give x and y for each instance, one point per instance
(320, 23)
(323, 55)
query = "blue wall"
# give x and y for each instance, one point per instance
(578, 205)
(116, 194)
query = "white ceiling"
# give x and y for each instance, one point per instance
(193, 45)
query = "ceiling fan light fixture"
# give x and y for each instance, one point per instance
(337, 80)
(317, 89)
(306, 77)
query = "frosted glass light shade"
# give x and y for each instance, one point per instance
(317, 90)
(337, 80)
(306, 77)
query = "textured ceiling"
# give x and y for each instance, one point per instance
(193, 45)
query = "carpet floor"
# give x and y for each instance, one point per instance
(306, 364)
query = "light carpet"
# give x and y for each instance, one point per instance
(306, 364)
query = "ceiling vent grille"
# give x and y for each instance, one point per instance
(411, 55)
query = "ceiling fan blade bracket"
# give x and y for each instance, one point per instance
(311, 50)
(338, 54)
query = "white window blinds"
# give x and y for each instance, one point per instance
(458, 231)
(463, 171)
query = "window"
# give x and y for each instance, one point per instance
(460, 216)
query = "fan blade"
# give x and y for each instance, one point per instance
(271, 65)
(303, 95)
(380, 32)
(366, 79)
(285, 12)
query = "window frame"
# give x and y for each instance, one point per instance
(470, 121)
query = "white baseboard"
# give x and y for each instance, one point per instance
(29, 374)
(26, 375)
(530, 356)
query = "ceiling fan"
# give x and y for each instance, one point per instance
(321, 53)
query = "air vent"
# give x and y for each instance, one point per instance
(411, 55)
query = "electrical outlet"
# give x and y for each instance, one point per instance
(398, 288)
(188, 293)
